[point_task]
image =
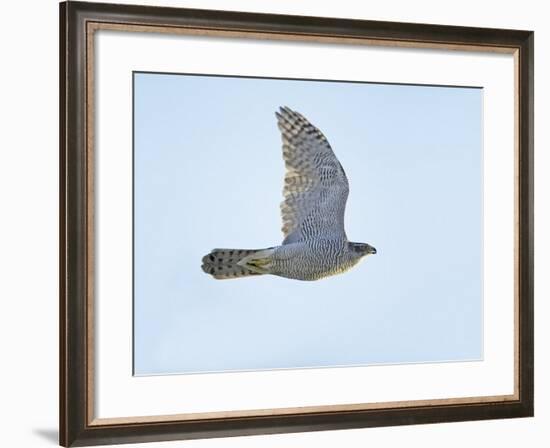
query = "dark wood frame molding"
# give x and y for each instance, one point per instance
(78, 22)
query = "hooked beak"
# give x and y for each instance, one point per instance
(371, 251)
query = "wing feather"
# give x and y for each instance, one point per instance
(315, 185)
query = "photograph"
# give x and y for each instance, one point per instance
(304, 223)
(278, 223)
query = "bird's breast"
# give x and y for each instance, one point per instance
(312, 260)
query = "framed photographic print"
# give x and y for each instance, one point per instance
(277, 224)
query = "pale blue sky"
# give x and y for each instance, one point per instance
(208, 173)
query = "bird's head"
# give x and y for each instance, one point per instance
(362, 249)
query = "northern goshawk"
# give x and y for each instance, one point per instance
(315, 193)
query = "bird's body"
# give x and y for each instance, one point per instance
(313, 259)
(315, 193)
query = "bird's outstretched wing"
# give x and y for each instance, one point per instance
(315, 186)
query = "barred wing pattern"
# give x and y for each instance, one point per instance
(315, 186)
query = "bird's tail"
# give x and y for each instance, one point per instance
(236, 263)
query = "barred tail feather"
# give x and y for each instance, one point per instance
(224, 263)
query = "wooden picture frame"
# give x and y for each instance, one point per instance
(78, 23)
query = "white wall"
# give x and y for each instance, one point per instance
(28, 224)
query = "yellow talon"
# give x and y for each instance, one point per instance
(258, 262)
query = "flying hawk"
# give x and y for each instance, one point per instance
(315, 191)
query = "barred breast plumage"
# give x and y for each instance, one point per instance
(315, 191)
